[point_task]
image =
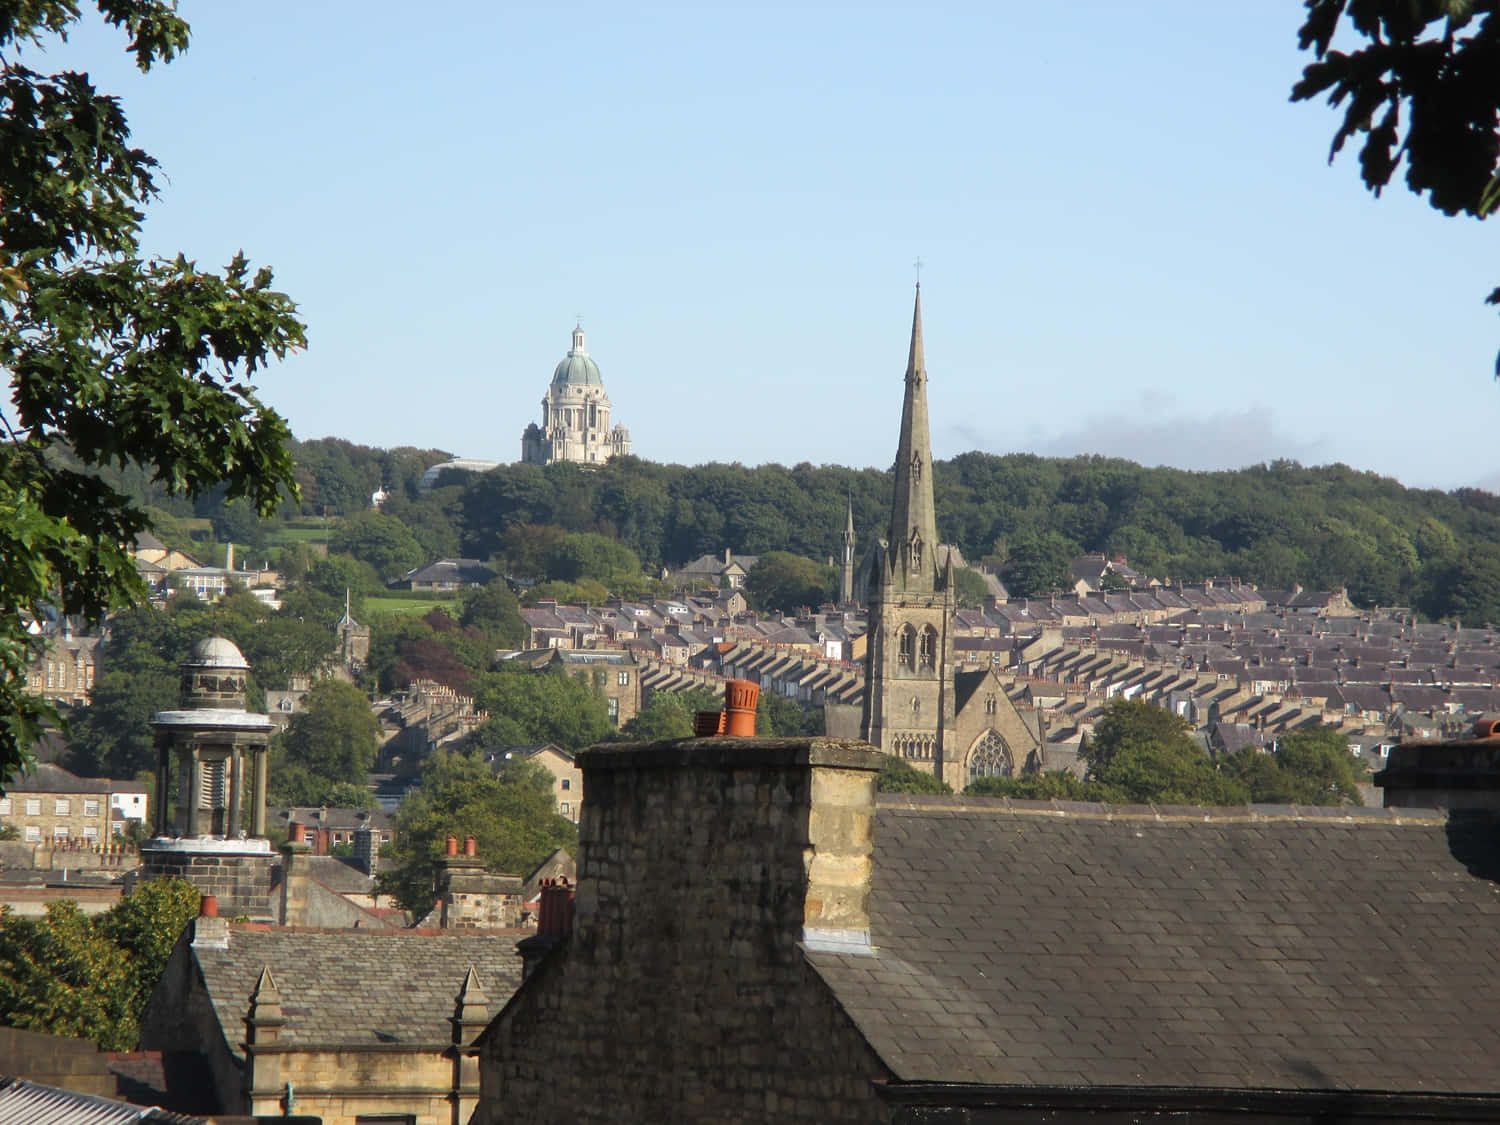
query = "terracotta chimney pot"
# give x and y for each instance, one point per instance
(741, 698)
(452, 848)
(471, 846)
(208, 906)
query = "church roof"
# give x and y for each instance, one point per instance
(577, 367)
(1068, 945)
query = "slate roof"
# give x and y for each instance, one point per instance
(1047, 944)
(357, 988)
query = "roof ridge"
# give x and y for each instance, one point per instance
(1323, 814)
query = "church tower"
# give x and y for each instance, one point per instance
(909, 687)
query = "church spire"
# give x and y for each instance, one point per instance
(846, 578)
(913, 540)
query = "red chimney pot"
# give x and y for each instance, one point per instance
(452, 848)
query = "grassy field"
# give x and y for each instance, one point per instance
(299, 535)
(380, 603)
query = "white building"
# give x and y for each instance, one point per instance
(575, 415)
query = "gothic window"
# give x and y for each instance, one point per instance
(909, 745)
(916, 554)
(916, 466)
(905, 645)
(990, 706)
(990, 757)
(929, 647)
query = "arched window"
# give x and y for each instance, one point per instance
(929, 647)
(916, 554)
(905, 645)
(990, 706)
(916, 466)
(990, 757)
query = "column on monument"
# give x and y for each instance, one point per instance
(194, 789)
(258, 798)
(163, 789)
(236, 789)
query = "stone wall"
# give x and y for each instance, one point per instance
(683, 993)
(241, 881)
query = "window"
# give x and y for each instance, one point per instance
(60, 832)
(916, 554)
(563, 808)
(33, 833)
(91, 833)
(567, 783)
(624, 679)
(33, 806)
(905, 645)
(990, 758)
(4, 806)
(90, 808)
(929, 647)
(612, 705)
(990, 705)
(62, 806)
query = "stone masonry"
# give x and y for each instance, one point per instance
(706, 867)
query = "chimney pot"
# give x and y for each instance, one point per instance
(297, 832)
(208, 906)
(471, 846)
(741, 697)
(452, 848)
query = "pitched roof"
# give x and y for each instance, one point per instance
(1069, 945)
(354, 987)
(48, 778)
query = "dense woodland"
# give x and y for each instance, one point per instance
(1273, 525)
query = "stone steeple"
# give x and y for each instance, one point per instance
(846, 580)
(912, 562)
(909, 706)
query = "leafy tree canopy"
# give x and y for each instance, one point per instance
(67, 974)
(1422, 89)
(513, 816)
(335, 735)
(119, 358)
(1309, 767)
(1145, 753)
(787, 582)
(529, 706)
(900, 776)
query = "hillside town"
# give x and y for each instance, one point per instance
(356, 785)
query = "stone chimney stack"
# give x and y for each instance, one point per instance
(294, 880)
(768, 839)
(367, 847)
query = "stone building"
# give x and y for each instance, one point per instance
(829, 954)
(917, 704)
(63, 667)
(50, 805)
(346, 1027)
(575, 415)
(211, 776)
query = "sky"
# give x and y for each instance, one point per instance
(1132, 243)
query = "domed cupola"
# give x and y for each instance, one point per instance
(577, 367)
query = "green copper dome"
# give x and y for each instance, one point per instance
(577, 368)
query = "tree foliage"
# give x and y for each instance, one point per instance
(787, 582)
(120, 359)
(67, 974)
(528, 706)
(900, 776)
(1422, 90)
(1309, 767)
(1145, 754)
(335, 735)
(513, 816)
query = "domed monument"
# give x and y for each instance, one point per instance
(575, 415)
(211, 773)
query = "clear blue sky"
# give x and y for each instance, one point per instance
(1132, 242)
